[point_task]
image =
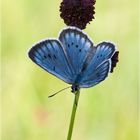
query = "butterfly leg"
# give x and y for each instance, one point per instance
(74, 88)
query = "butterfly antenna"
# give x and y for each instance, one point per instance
(58, 92)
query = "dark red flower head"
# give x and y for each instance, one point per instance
(114, 60)
(77, 12)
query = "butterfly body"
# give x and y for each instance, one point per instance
(74, 59)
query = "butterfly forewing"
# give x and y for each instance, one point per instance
(50, 55)
(76, 44)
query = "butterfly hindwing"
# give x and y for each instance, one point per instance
(49, 55)
(99, 65)
(104, 51)
(76, 44)
(98, 75)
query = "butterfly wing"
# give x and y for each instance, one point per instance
(73, 58)
(98, 66)
(50, 55)
(76, 44)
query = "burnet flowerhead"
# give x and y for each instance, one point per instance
(77, 12)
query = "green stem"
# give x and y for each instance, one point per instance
(75, 104)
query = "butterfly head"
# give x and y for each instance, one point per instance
(74, 88)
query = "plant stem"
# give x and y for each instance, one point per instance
(75, 104)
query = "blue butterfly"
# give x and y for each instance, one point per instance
(74, 59)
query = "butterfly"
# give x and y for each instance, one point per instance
(74, 58)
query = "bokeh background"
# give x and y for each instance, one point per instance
(107, 111)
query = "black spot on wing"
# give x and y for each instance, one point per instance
(49, 56)
(77, 46)
(45, 56)
(54, 56)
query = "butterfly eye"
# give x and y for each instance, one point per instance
(72, 43)
(101, 55)
(80, 50)
(68, 45)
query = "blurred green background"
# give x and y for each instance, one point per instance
(108, 111)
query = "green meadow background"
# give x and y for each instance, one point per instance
(108, 111)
